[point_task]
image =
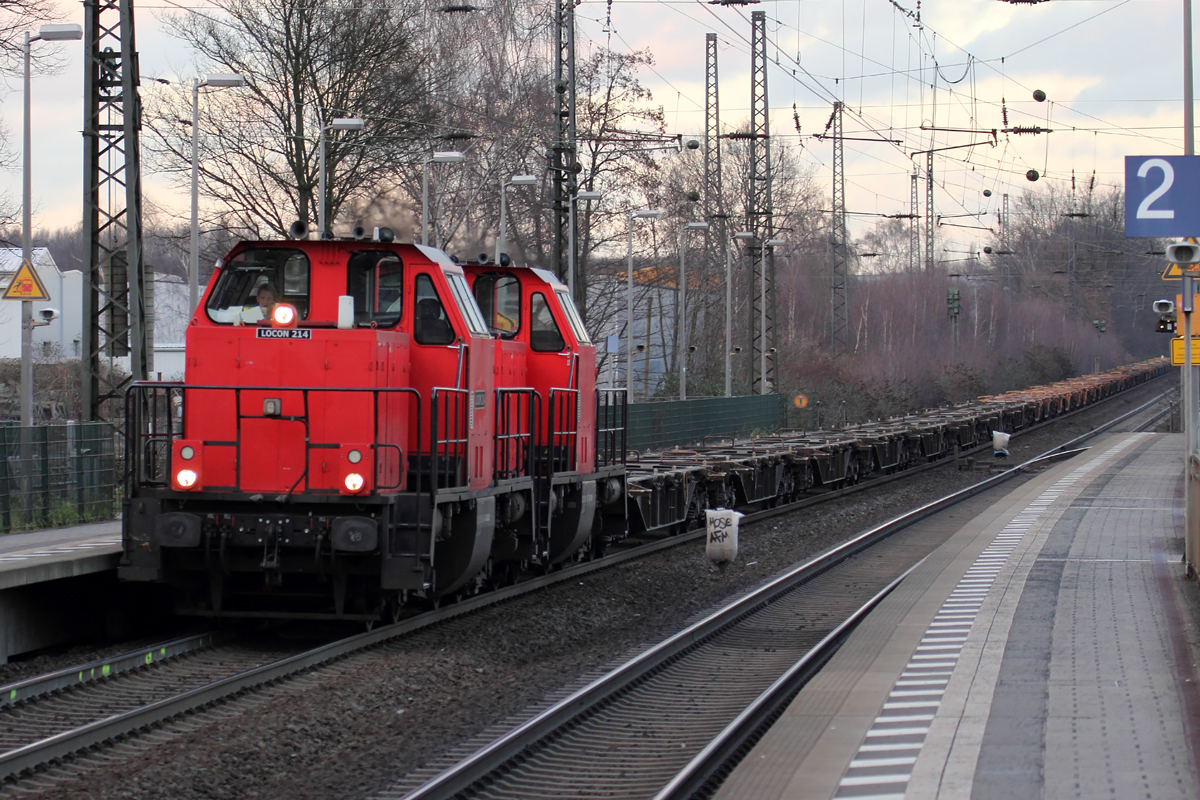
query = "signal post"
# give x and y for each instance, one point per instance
(1161, 201)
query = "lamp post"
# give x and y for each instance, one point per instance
(743, 235)
(440, 157)
(571, 239)
(340, 124)
(762, 322)
(46, 33)
(645, 213)
(217, 81)
(681, 321)
(516, 180)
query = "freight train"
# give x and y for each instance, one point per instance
(365, 425)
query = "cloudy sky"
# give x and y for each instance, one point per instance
(1111, 70)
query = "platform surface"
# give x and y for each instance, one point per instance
(1037, 653)
(54, 553)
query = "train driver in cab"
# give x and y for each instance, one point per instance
(261, 309)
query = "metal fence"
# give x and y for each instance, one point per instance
(53, 475)
(685, 422)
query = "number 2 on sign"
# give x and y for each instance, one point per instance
(1144, 211)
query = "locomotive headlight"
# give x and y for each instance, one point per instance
(186, 478)
(284, 316)
(187, 452)
(354, 456)
(354, 482)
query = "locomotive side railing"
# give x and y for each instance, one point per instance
(516, 412)
(155, 419)
(448, 437)
(563, 433)
(611, 412)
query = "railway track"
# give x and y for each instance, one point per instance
(52, 717)
(662, 724)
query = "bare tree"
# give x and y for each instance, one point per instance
(304, 64)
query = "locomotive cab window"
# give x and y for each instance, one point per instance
(581, 334)
(499, 298)
(466, 304)
(235, 297)
(375, 281)
(544, 335)
(430, 323)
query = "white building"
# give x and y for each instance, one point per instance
(62, 336)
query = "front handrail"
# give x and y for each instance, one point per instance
(155, 414)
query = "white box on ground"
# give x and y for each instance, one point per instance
(722, 544)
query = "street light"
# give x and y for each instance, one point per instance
(645, 213)
(571, 238)
(517, 180)
(216, 81)
(440, 157)
(762, 323)
(681, 321)
(743, 235)
(46, 33)
(340, 124)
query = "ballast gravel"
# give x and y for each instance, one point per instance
(352, 729)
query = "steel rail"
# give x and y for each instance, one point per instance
(29, 757)
(493, 756)
(70, 677)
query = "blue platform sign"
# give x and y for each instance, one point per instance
(1162, 196)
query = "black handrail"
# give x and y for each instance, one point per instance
(611, 413)
(515, 446)
(154, 418)
(563, 432)
(453, 471)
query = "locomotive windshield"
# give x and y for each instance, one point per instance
(375, 281)
(499, 298)
(284, 270)
(581, 334)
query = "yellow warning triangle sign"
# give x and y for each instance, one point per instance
(26, 285)
(1175, 272)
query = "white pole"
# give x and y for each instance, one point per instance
(27, 255)
(728, 319)
(681, 322)
(1189, 383)
(502, 239)
(762, 318)
(629, 318)
(321, 189)
(425, 202)
(571, 250)
(194, 255)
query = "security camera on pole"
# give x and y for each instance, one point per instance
(26, 286)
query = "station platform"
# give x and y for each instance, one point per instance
(1042, 651)
(56, 585)
(55, 553)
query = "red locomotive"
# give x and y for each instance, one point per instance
(363, 423)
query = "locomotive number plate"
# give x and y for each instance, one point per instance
(283, 333)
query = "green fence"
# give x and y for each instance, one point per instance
(685, 422)
(52, 475)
